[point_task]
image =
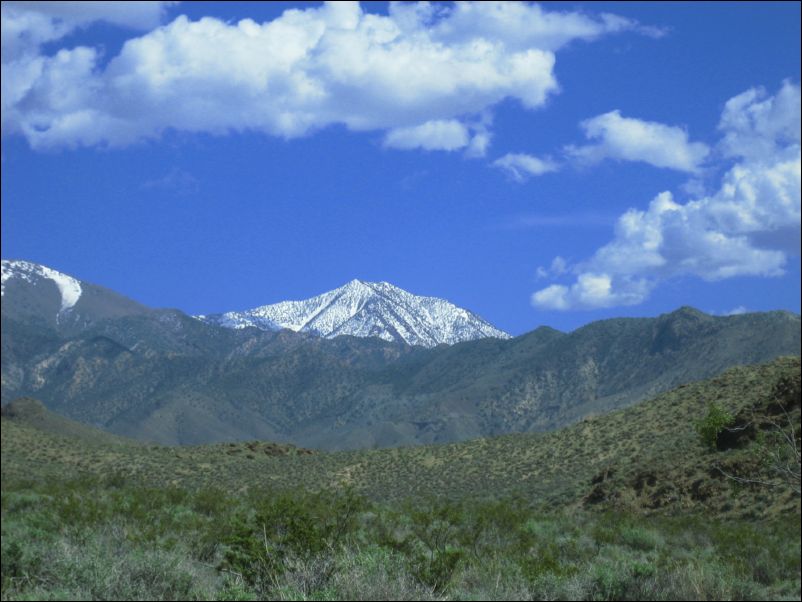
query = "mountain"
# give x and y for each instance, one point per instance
(368, 309)
(163, 376)
(46, 297)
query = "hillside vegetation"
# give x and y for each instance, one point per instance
(643, 457)
(643, 503)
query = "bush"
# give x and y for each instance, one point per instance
(716, 420)
(288, 528)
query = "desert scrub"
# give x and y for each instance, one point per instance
(137, 542)
(99, 564)
(277, 531)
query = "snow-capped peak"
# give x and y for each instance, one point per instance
(367, 309)
(68, 286)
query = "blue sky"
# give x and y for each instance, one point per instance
(538, 164)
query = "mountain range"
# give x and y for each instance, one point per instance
(160, 375)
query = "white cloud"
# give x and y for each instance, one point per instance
(176, 182)
(755, 125)
(591, 291)
(433, 135)
(140, 14)
(479, 144)
(554, 296)
(26, 25)
(628, 139)
(558, 267)
(26, 73)
(522, 166)
(524, 25)
(746, 228)
(736, 311)
(482, 136)
(420, 65)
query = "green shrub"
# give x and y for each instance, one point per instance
(20, 564)
(640, 538)
(715, 421)
(433, 539)
(280, 529)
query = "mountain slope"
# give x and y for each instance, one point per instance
(53, 300)
(349, 392)
(647, 458)
(32, 414)
(368, 309)
(163, 376)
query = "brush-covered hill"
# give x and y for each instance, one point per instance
(646, 458)
(31, 414)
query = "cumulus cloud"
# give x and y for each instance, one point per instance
(747, 227)
(419, 72)
(592, 290)
(27, 25)
(629, 139)
(27, 75)
(520, 166)
(756, 125)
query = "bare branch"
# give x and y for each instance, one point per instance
(743, 479)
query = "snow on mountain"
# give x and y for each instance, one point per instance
(368, 309)
(68, 286)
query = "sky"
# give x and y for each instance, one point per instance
(553, 163)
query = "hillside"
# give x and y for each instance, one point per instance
(647, 458)
(29, 413)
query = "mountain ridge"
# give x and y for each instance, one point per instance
(161, 375)
(58, 300)
(358, 308)
(363, 309)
